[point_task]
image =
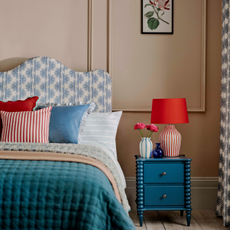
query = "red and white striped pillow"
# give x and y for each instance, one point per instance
(27, 126)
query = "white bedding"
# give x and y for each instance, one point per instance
(111, 154)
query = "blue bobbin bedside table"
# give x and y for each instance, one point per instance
(163, 184)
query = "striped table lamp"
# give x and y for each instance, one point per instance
(169, 111)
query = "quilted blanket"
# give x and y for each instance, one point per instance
(58, 195)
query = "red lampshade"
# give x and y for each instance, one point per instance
(169, 111)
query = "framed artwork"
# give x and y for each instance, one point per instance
(157, 16)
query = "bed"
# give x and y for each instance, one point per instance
(56, 172)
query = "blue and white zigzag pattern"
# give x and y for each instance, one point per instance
(223, 196)
(55, 83)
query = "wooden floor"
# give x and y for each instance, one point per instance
(171, 220)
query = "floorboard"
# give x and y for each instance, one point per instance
(153, 221)
(204, 220)
(183, 221)
(217, 220)
(134, 217)
(171, 220)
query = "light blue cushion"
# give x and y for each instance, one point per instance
(65, 123)
(101, 128)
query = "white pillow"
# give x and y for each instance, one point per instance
(101, 128)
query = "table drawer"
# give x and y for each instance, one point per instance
(154, 173)
(154, 195)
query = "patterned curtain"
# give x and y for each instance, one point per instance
(223, 199)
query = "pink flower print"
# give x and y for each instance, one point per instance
(162, 4)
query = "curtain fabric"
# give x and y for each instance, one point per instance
(223, 199)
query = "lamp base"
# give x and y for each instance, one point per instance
(170, 140)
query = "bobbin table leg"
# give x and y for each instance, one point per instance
(140, 190)
(188, 217)
(188, 190)
(140, 216)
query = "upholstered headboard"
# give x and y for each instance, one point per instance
(55, 83)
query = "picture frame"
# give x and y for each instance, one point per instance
(157, 16)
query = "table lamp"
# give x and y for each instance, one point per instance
(169, 111)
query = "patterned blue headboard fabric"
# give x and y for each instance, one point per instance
(55, 83)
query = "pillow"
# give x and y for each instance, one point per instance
(67, 122)
(20, 105)
(27, 126)
(14, 106)
(101, 128)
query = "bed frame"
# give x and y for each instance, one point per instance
(55, 83)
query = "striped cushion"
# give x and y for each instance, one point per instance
(28, 126)
(101, 128)
(17, 106)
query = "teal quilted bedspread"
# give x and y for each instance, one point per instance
(58, 195)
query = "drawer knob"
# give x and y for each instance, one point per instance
(164, 173)
(164, 196)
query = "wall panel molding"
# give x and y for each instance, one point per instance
(201, 108)
(90, 36)
(109, 37)
(200, 104)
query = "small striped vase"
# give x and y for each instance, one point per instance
(170, 140)
(146, 147)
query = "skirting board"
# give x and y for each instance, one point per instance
(203, 192)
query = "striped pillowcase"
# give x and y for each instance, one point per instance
(101, 128)
(28, 126)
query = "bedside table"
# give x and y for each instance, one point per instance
(163, 184)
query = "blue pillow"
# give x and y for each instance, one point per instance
(65, 122)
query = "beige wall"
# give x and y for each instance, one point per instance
(157, 65)
(90, 34)
(200, 138)
(51, 28)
